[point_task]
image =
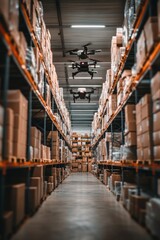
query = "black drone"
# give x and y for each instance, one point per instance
(83, 54)
(84, 67)
(82, 94)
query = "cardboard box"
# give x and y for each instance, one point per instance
(139, 128)
(33, 199)
(156, 122)
(130, 113)
(18, 203)
(140, 154)
(151, 31)
(156, 152)
(147, 154)
(35, 182)
(38, 171)
(4, 10)
(1, 115)
(156, 138)
(19, 150)
(138, 113)
(34, 133)
(18, 103)
(49, 187)
(141, 51)
(146, 111)
(156, 105)
(130, 127)
(8, 149)
(146, 125)
(7, 221)
(155, 86)
(146, 139)
(131, 139)
(158, 14)
(139, 141)
(84, 167)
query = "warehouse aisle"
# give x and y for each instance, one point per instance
(81, 209)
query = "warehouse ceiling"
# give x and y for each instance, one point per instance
(59, 15)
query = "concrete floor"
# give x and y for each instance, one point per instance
(81, 209)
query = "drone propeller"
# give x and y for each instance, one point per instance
(71, 61)
(86, 45)
(98, 50)
(72, 50)
(94, 60)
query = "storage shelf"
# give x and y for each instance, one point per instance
(150, 167)
(135, 81)
(18, 60)
(127, 51)
(35, 41)
(6, 165)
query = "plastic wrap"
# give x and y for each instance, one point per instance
(128, 153)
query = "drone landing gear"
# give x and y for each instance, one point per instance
(89, 98)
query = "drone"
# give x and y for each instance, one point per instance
(82, 94)
(84, 67)
(83, 54)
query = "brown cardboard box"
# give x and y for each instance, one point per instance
(49, 187)
(33, 201)
(139, 128)
(156, 152)
(156, 122)
(156, 105)
(146, 125)
(7, 224)
(130, 127)
(146, 139)
(130, 113)
(4, 10)
(9, 117)
(34, 133)
(18, 203)
(156, 138)
(1, 115)
(146, 111)
(140, 154)
(9, 149)
(112, 104)
(22, 46)
(84, 167)
(138, 113)
(38, 171)
(151, 31)
(18, 103)
(35, 182)
(19, 150)
(51, 179)
(131, 139)
(141, 51)
(155, 86)
(147, 154)
(138, 203)
(139, 141)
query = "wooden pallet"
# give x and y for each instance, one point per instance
(143, 162)
(36, 160)
(13, 159)
(128, 161)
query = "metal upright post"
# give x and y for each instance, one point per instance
(29, 123)
(122, 126)
(138, 182)
(4, 97)
(45, 114)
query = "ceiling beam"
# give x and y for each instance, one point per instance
(59, 16)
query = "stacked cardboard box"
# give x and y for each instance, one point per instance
(7, 220)
(4, 10)
(19, 104)
(112, 104)
(37, 181)
(55, 143)
(36, 142)
(45, 152)
(152, 216)
(15, 202)
(151, 32)
(114, 177)
(143, 122)
(137, 203)
(1, 129)
(158, 14)
(130, 126)
(155, 88)
(22, 46)
(14, 20)
(9, 126)
(141, 51)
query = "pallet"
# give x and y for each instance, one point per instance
(128, 161)
(13, 159)
(36, 160)
(143, 162)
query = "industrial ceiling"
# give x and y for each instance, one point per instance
(59, 15)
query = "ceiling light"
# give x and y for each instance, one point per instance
(94, 78)
(70, 66)
(88, 26)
